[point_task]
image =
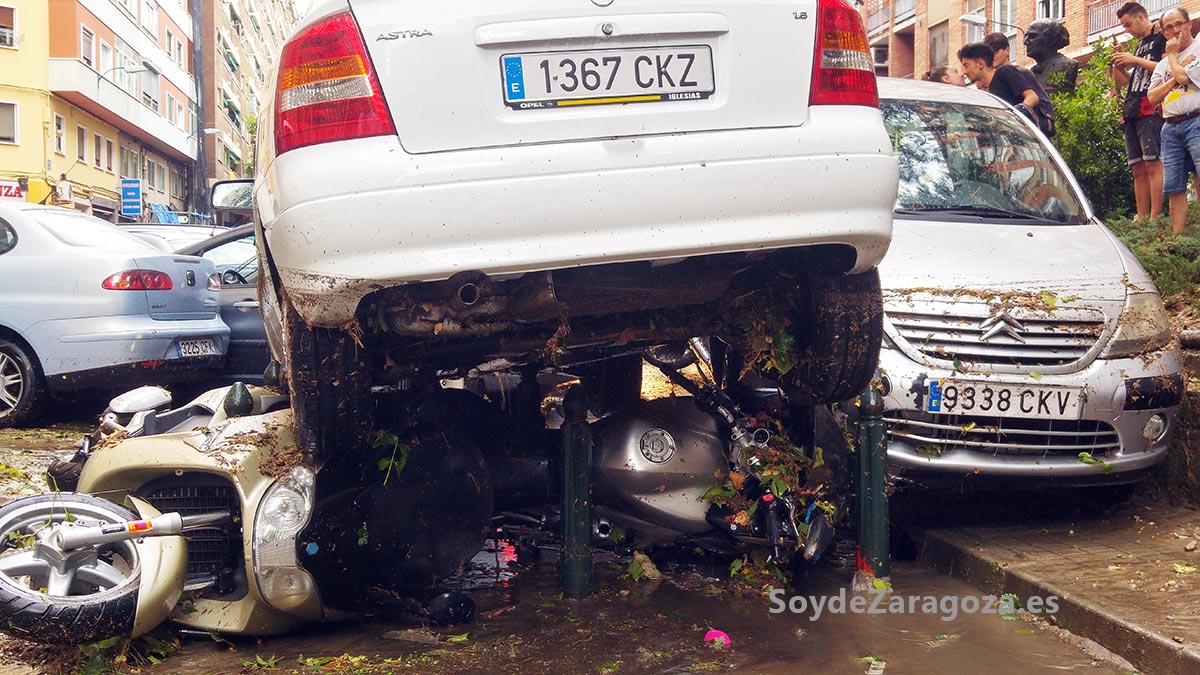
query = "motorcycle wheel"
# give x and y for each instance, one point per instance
(89, 596)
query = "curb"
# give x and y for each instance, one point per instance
(1150, 651)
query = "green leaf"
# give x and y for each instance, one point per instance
(458, 639)
(635, 570)
(1035, 374)
(880, 584)
(735, 566)
(958, 364)
(1049, 299)
(1184, 569)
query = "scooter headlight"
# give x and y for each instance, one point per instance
(284, 511)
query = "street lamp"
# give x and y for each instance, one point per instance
(127, 69)
(976, 19)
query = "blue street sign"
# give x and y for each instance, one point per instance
(131, 196)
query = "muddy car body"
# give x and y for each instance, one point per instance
(1022, 339)
(468, 185)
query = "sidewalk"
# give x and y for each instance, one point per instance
(1115, 576)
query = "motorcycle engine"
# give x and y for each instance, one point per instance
(655, 461)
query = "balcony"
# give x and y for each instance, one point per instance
(878, 18)
(905, 9)
(1102, 17)
(99, 96)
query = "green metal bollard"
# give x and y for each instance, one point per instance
(872, 488)
(576, 496)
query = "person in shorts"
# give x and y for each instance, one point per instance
(1175, 85)
(1140, 117)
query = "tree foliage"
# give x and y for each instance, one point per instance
(1090, 138)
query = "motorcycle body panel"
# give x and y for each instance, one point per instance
(164, 570)
(656, 460)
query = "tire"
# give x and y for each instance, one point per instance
(21, 386)
(330, 387)
(100, 602)
(842, 329)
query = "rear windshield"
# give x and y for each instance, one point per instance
(78, 229)
(973, 158)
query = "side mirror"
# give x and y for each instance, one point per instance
(140, 399)
(233, 195)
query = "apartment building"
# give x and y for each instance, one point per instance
(909, 37)
(95, 94)
(239, 41)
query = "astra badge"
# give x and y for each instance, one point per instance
(404, 34)
(1001, 322)
(657, 445)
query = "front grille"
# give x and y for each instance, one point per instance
(1046, 342)
(935, 434)
(209, 550)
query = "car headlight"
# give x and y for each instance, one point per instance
(284, 511)
(1143, 326)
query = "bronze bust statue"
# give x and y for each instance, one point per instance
(1042, 42)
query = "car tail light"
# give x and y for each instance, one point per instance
(843, 72)
(138, 280)
(327, 88)
(214, 282)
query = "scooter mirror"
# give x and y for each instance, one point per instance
(140, 400)
(451, 608)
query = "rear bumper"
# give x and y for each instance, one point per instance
(122, 350)
(344, 219)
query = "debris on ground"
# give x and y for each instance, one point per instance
(718, 639)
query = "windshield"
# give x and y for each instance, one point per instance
(975, 161)
(78, 229)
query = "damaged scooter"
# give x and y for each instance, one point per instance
(209, 515)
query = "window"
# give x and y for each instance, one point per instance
(170, 42)
(130, 6)
(150, 18)
(975, 33)
(148, 173)
(179, 115)
(8, 27)
(179, 55)
(81, 140)
(97, 154)
(60, 134)
(176, 182)
(1004, 17)
(126, 58)
(162, 177)
(8, 238)
(150, 91)
(106, 57)
(172, 116)
(87, 46)
(1050, 9)
(108, 155)
(939, 45)
(8, 122)
(129, 163)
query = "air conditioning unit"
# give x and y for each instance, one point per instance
(879, 54)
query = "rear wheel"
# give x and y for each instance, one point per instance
(21, 388)
(85, 595)
(330, 387)
(843, 320)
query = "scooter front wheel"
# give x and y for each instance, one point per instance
(53, 596)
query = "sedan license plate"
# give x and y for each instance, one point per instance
(963, 397)
(632, 75)
(196, 348)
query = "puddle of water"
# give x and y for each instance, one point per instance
(525, 627)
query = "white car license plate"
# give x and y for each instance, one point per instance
(196, 348)
(964, 397)
(632, 75)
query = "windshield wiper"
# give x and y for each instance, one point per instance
(972, 210)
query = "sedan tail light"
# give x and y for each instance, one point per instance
(138, 280)
(327, 88)
(843, 71)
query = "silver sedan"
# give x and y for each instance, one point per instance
(87, 306)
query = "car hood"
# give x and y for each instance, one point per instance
(970, 260)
